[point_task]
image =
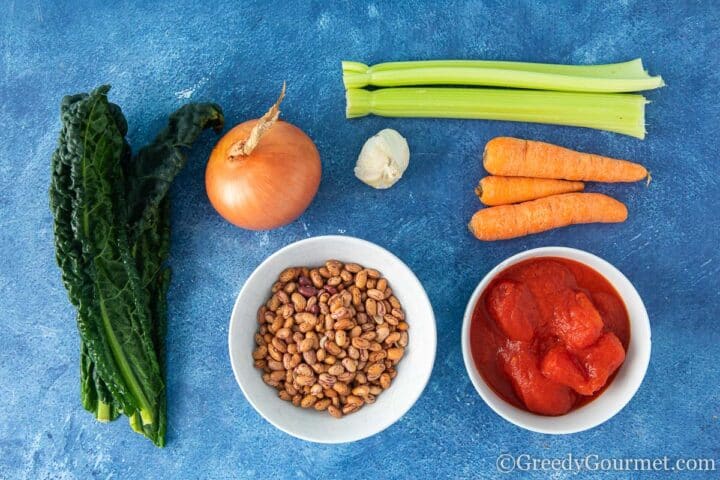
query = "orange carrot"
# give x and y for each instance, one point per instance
(515, 157)
(535, 216)
(495, 190)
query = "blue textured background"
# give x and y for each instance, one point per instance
(159, 57)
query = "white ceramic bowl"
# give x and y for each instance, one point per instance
(623, 386)
(413, 371)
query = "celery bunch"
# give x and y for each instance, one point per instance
(591, 96)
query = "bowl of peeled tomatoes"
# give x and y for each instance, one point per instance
(556, 340)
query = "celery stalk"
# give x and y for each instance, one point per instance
(629, 69)
(611, 78)
(620, 113)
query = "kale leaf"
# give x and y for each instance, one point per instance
(112, 237)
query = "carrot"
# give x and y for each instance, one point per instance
(535, 216)
(515, 157)
(495, 190)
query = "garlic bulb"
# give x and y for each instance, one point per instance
(383, 159)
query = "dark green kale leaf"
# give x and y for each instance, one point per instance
(102, 280)
(112, 235)
(148, 179)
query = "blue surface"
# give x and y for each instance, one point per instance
(159, 57)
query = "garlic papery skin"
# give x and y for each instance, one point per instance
(383, 159)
